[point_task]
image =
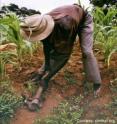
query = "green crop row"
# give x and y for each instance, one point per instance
(10, 33)
(105, 31)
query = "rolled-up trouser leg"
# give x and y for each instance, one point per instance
(89, 60)
(57, 61)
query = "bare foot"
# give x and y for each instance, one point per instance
(34, 105)
(97, 93)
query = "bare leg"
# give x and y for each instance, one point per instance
(38, 93)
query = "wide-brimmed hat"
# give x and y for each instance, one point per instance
(36, 27)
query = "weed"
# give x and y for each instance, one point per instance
(9, 102)
(113, 104)
(68, 112)
(69, 77)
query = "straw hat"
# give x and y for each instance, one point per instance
(36, 27)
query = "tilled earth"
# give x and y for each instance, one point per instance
(66, 83)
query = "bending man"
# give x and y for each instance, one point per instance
(57, 30)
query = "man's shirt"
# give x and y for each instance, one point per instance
(67, 19)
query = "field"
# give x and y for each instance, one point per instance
(66, 84)
(66, 100)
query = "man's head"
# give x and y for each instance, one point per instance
(36, 27)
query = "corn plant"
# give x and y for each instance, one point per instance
(102, 19)
(107, 40)
(6, 57)
(10, 29)
(10, 32)
(105, 31)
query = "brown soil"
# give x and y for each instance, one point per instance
(59, 88)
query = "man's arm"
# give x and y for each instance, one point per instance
(36, 77)
(46, 50)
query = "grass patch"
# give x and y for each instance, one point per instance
(9, 102)
(68, 112)
(113, 105)
(69, 77)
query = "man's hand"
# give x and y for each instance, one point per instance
(36, 77)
